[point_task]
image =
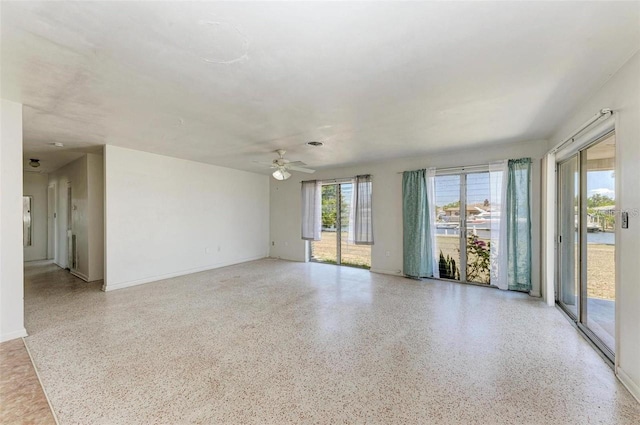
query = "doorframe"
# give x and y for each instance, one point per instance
(69, 225)
(52, 227)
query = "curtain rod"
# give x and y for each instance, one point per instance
(340, 180)
(337, 180)
(462, 168)
(571, 138)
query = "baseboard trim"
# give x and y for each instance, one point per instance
(633, 388)
(44, 390)
(20, 333)
(80, 275)
(389, 272)
(150, 279)
(288, 259)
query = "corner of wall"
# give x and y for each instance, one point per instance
(11, 244)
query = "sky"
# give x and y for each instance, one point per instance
(602, 182)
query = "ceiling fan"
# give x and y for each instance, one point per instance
(283, 166)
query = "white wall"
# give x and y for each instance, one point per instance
(35, 185)
(95, 188)
(11, 253)
(86, 178)
(622, 94)
(166, 217)
(387, 202)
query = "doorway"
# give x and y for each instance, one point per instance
(585, 276)
(335, 246)
(51, 222)
(464, 215)
(71, 238)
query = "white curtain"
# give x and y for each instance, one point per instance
(362, 211)
(311, 210)
(498, 180)
(431, 202)
(351, 229)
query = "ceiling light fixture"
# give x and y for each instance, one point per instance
(315, 144)
(35, 163)
(57, 144)
(281, 174)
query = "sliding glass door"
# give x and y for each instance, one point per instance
(586, 241)
(599, 224)
(464, 215)
(568, 235)
(335, 246)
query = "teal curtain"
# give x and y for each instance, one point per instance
(417, 251)
(519, 224)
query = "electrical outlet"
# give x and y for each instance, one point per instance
(218, 248)
(286, 244)
(207, 250)
(387, 254)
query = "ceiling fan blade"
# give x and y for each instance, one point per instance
(300, 169)
(268, 164)
(297, 163)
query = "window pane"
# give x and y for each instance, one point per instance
(350, 253)
(479, 216)
(326, 249)
(448, 226)
(601, 272)
(568, 225)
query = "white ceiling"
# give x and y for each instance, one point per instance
(228, 83)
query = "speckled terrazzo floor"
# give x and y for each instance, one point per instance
(274, 342)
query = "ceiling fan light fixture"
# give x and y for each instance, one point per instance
(35, 163)
(281, 174)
